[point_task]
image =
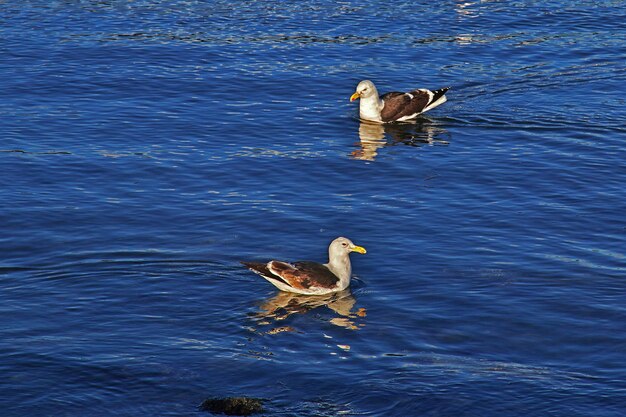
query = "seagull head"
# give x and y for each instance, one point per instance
(345, 246)
(365, 89)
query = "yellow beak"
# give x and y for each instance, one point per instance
(359, 249)
(355, 96)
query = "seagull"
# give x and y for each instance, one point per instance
(311, 278)
(395, 106)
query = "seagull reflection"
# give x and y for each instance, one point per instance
(284, 304)
(422, 131)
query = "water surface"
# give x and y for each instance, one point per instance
(147, 147)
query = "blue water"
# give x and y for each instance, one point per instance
(147, 147)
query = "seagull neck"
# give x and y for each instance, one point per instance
(339, 264)
(370, 106)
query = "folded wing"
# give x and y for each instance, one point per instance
(304, 274)
(299, 275)
(405, 106)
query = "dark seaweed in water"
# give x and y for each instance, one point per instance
(233, 406)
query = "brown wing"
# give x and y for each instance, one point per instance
(398, 105)
(304, 274)
(261, 269)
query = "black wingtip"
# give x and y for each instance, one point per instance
(252, 265)
(437, 94)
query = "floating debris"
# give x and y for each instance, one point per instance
(232, 406)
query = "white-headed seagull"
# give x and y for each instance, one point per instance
(311, 278)
(395, 106)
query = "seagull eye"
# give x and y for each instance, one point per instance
(344, 244)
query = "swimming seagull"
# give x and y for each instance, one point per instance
(395, 106)
(311, 278)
